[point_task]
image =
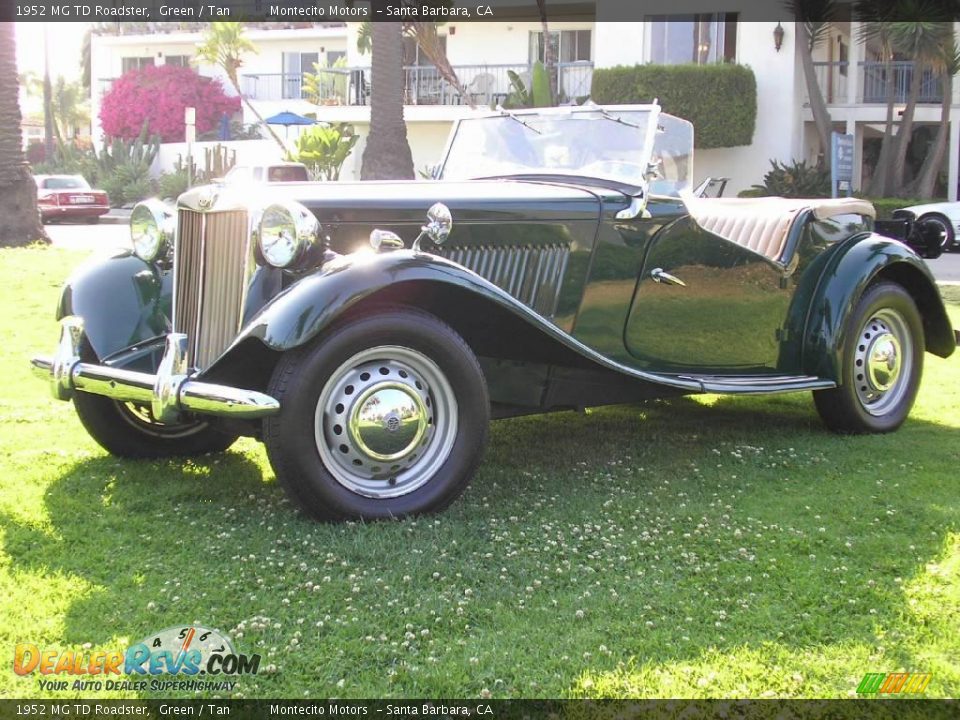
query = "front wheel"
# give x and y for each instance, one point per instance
(386, 417)
(129, 430)
(882, 364)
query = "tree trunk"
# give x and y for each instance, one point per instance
(426, 36)
(549, 61)
(259, 117)
(927, 181)
(880, 183)
(19, 222)
(821, 117)
(386, 155)
(905, 133)
(235, 81)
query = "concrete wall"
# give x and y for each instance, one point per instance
(477, 43)
(427, 141)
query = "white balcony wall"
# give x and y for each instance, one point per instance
(427, 141)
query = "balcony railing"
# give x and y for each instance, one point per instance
(833, 78)
(423, 85)
(874, 77)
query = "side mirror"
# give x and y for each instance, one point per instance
(439, 223)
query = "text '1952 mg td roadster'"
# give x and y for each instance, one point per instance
(564, 262)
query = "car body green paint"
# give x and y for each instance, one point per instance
(122, 300)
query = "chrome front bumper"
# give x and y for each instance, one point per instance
(169, 393)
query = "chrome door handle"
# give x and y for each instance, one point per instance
(659, 275)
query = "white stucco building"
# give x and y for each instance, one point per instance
(481, 53)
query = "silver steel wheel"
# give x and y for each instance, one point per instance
(883, 362)
(385, 421)
(140, 416)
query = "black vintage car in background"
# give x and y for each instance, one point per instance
(367, 332)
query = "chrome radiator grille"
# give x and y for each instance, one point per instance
(532, 274)
(209, 276)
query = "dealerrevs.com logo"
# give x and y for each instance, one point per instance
(188, 657)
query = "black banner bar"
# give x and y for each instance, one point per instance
(188, 12)
(484, 709)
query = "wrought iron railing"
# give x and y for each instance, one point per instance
(874, 78)
(423, 84)
(872, 82)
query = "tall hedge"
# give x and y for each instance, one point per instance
(720, 100)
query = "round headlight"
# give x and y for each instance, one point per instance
(285, 230)
(150, 229)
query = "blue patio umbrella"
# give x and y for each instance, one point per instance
(287, 118)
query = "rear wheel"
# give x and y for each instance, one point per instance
(129, 430)
(882, 364)
(386, 417)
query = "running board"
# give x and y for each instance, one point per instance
(758, 384)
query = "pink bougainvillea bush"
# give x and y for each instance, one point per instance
(158, 95)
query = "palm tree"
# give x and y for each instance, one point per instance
(549, 61)
(892, 24)
(224, 45)
(386, 155)
(19, 221)
(880, 182)
(947, 65)
(922, 41)
(70, 110)
(428, 40)
(812, 26)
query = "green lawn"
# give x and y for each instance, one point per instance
(696, 548)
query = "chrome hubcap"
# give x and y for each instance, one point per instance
(388, 421)
(883, 364)
(882, 361)
(385, 422)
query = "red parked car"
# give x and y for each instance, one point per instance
(69, 197)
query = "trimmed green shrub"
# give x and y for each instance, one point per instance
(886, 206)
(720, 100)
(797, 180)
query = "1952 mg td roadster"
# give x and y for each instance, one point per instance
(563, 263)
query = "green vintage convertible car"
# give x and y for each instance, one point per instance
(368, 332)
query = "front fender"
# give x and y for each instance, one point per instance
(122, 300)
(302, 311)
(853, 266)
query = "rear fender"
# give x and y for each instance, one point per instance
(122, 300)
(853, 266)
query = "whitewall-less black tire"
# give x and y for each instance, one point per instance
(129, 430)
(882, 364)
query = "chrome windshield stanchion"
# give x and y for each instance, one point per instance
(66, 357)
(171, 374)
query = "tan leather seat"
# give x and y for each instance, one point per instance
(763, 224)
